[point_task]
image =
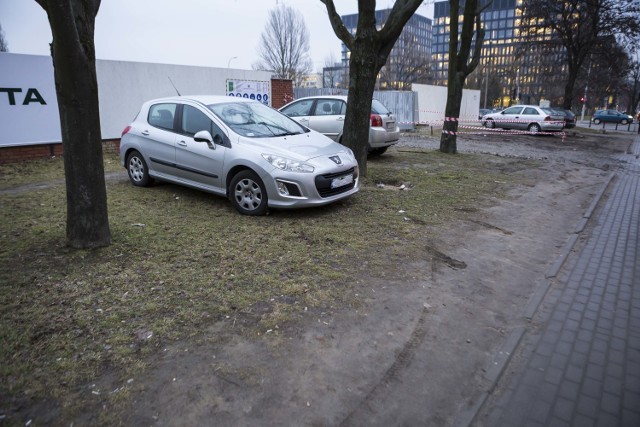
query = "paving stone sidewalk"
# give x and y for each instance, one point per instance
(580, 366)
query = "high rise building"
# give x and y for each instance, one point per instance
(510, 70)
(409, 60)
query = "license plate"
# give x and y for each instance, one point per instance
(341, 181)
(391, 126)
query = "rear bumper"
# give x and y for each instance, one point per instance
(380, 137)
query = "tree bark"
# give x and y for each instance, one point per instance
(72, 25)
(448, 139)
(460, 67)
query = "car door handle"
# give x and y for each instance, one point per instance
(340, 119)
(145, 132)
(304, 120)
(182, 143)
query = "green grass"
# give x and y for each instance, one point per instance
(182, 260)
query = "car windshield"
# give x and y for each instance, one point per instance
(255, 120)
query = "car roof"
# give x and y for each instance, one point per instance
(204, 99)
(342, 97)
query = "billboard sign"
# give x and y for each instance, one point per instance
(28, 102)
(252, 89)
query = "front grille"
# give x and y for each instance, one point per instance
(323, 183)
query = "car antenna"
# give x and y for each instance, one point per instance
(174, 86)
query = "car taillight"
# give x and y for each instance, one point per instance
(127, 129)
(547, 119)
(376, 120)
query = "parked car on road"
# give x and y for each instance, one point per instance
(611, 116)
(482, 112)
(525, 117)
(569, 118)
(238, 148)
(326, 114)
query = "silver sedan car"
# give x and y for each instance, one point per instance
(238, 148)
(325, 114)
(529, 118)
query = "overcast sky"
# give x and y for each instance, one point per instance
(213, 33)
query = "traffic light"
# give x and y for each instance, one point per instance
(582, 99)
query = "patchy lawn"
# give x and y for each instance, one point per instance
(181, 260)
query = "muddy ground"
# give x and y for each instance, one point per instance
(414, 351)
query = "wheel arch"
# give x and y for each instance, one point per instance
(233, 172)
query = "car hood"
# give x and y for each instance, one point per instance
(303, 147)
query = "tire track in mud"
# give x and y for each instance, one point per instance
(402, 360)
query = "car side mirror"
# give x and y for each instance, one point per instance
(205, 136)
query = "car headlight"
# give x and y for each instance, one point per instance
(288, 165)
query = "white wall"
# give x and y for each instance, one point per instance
(122, 88)
(433, 99)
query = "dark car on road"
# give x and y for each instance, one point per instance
(611, 116)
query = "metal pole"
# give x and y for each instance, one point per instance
(586, 88)
(486, 77)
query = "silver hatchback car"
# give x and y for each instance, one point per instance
(529, 118)
(238, 148)
(325, 114)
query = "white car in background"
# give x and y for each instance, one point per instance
(238, 148)
(529, 118)
(325, 114)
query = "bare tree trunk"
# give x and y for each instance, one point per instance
(72, 25)
(369, 48)
(448, 140)
(460, 67)
(362, 79)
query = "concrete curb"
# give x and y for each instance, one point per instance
(498, 365)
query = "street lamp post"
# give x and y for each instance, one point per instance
(229, 62)
(486, 77)
(586, 88)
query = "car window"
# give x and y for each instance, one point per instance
(298, 108)
(552, 112)
(513, 110)
(161, 116)
(194, 120)
(378, 107)
(530, 111)
(328, 107)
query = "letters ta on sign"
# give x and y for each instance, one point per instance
(32, 95)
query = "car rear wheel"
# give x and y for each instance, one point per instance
(248, 193)
(596, 121)
(377, 151)
(534, 128)
(489, 124)
(138, 170)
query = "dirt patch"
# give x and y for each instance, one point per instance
(413, 349)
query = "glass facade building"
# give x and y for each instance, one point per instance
(413, 45)
(510, 69)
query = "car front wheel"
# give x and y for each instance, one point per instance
(489, 124)
(138, 170)
(624, 122)
(248, 193)
(534, 128)
(596, 121)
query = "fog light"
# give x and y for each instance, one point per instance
(282, 188)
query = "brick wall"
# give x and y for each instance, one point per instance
(281, 92)
(31, 152)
